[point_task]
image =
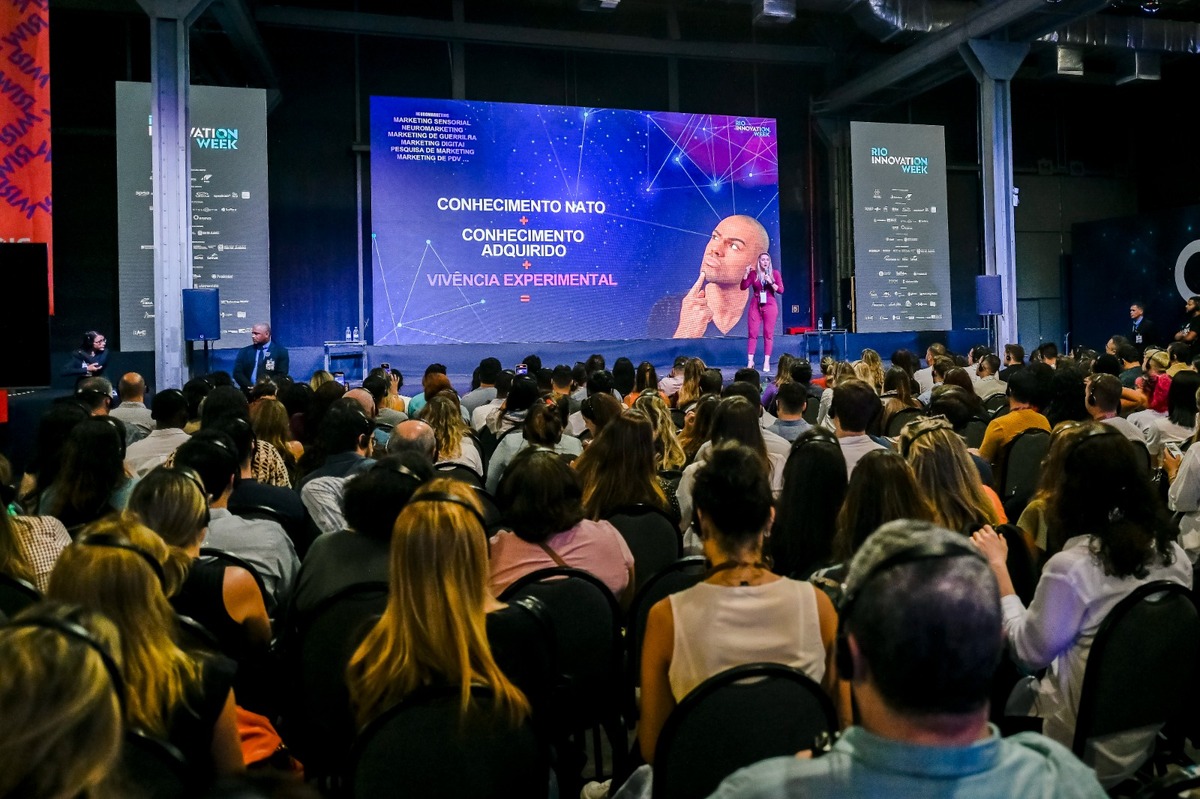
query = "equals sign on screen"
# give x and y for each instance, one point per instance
(524, 298)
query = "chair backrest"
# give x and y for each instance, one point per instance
(1023, 467)
(154, 769)
(320, 724)
(1021, 562)
(246, 511)
(492, 519)
(812, 410)
(1171, 786)
(589, 642)
(230, 559)
(736, 718)
(1141, 669)
(680, 575)
(901, 418)
(678, 418)
(974, 431)
(995, 403)
(652, 537)
(195, 637)
(460, 472)
(16, 595)
(425, 748)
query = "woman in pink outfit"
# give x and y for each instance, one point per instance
(764, 282)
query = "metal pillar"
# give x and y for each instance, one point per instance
(994, 64)
(169, 24)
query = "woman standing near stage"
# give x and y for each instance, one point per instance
(91, 357)
(764, 282)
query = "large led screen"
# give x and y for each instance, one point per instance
(502, 223)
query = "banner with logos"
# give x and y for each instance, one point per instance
(230, 236)
(26, 212)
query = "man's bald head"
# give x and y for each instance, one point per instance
(363, 398)
(131, 388)
(413, 435)
(735, 243)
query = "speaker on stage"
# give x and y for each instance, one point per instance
(201, 314)
(25, 323)
(989, 299)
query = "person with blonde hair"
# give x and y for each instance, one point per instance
(123, 569)
(225, 599)
(690, 390)
(442, 627)
(667, 449)
(454, 441)
(872, 369)
(61, 697)
(951, 480)
(320, 378)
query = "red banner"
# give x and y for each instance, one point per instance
(25, 205)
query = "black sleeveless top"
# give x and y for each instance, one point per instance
(202, 597)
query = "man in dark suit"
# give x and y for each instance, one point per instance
(1142, 332)
(263, 358)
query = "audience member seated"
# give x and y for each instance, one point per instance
(61, 699)
(987, 377)
(323, 398)
(690, 390)
(924, 377)
(618, 470)
(896, 396)
(597, 410)
(814, 485)
(249, 493)
(132, 411)
(1104, 406)
(1184, 496)
(791, 400)
(1023, 393)
(697, 425)
(260, 542)
(224, 599)
(543, 427)
(359, 553)
(455, 443)
(669, 386)
(668, 452)
(741, 612)
(1179, 423)
(1115, 538)
(54, 428)
(646, 382)
(775, 443)
(600, 382)
(124, 570)
(782, 377)
(224, 402)
(883, 489)
(489, 372)
(29, 545)
(853, 407)
(430, 384)
(170, 414)
(442, 627)
(92, 482)
(269, 420)
(342, 449)
(924, 709)
(511, 413)
(479, 416)
(950, 480)
(541, 501)
(736, 420)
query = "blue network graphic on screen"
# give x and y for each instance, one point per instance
(503, 223)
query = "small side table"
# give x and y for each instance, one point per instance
(341, 350)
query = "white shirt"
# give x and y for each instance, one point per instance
(1072, 599)
(261, 543)
(479, 415)
(154, 449)
(854, 448)
(1149, 437)
(924, 378)
(687, 482)
(1184, 497)
(322, 497)
(718, 627)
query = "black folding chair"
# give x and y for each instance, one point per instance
(736, 718)
(492, 520)
(995, 402)
(901, 418)
(1021, 470)
(460, 472)
(16, 595)
(153, 768)
(652, 537)
(589, 641)
(1172, 786)
(319, 723)
(1142, 667)
(678, 576)
(973, 432)
(812, 410)
(195, 637)
(425, 747)
(230, 559)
